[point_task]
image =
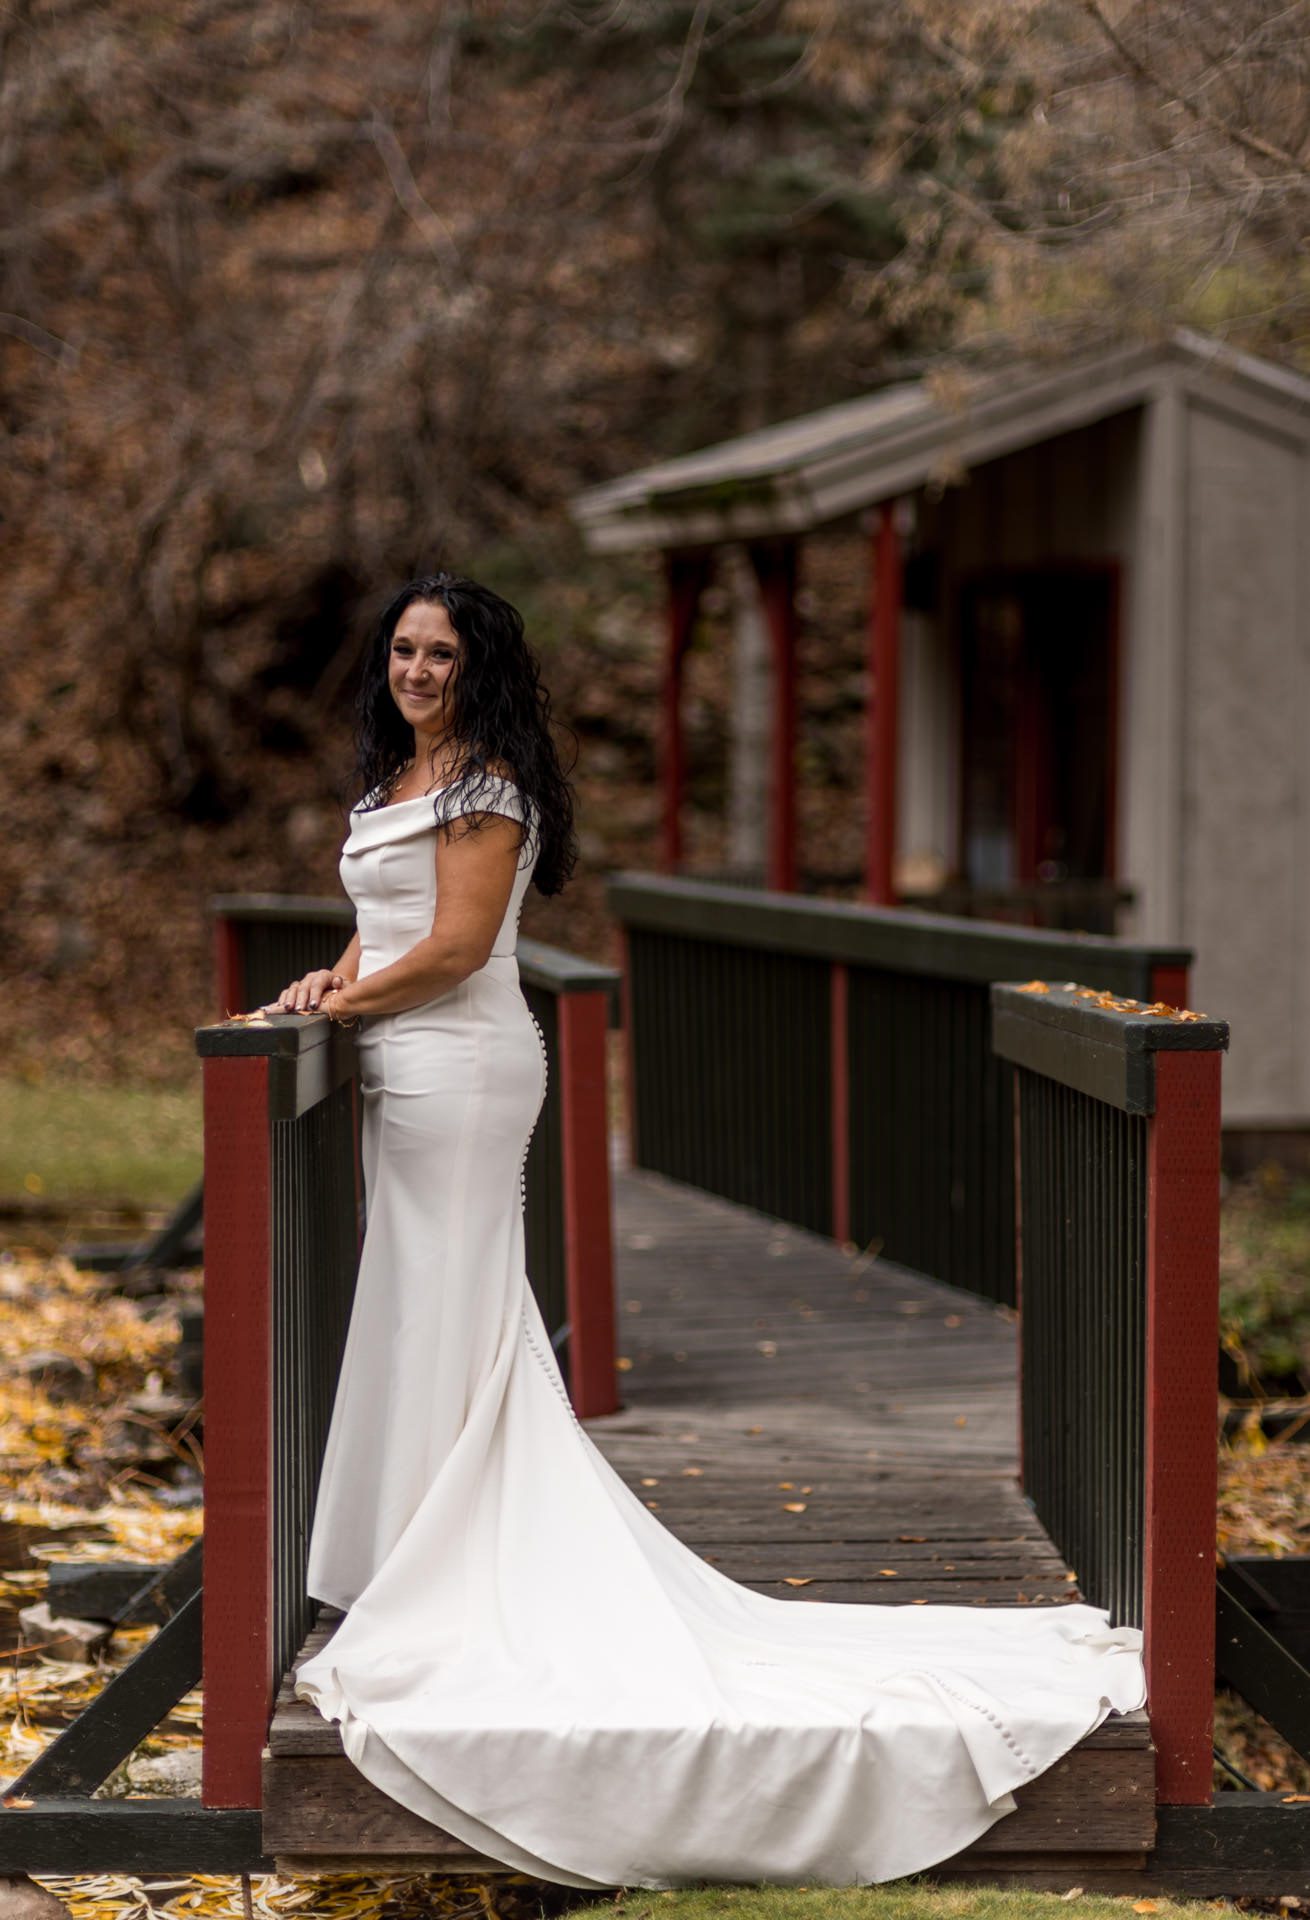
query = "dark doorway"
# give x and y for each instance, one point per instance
(1037, 666)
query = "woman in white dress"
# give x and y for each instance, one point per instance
(529, 1658)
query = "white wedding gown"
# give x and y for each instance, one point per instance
(528, 1658)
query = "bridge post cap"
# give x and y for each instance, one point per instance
(280, 1036)
(1137, 1026)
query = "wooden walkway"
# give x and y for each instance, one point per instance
(800, 1415)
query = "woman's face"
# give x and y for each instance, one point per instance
(420, 665)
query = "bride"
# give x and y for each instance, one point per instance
(528, 1658)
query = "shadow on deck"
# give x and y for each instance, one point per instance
(819, 1426)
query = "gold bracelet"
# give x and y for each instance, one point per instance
(350, 1020)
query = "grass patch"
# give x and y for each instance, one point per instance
(1264, 1271)
(914, 1898)
(66, 1143)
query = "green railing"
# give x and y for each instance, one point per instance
(830, 1063)
(1116, 1137)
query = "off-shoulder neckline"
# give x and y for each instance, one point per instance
(390, 806)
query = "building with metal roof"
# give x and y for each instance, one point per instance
(1089, 657)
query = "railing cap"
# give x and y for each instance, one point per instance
(1099, 1044)
(904, 939)
(308, 1056)
(1134, 1025)
(280, 906)
(279, 1036)
(541, 965)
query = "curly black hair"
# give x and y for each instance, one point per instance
(500, 713)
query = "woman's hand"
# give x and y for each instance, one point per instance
(303, 996)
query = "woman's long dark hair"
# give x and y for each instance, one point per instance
(500, 712)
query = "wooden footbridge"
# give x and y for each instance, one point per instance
(789, 1414)
(909, 1294)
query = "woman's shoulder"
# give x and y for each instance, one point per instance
(488, 788)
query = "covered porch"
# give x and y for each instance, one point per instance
(1017, 544)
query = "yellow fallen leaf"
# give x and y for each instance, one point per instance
(786, 1485)
(795, 1580)
(961, 1419)
(1145, 1906)
(890, 1572)
(650, 1483)
(794, 1506)
(693, 1473)
(623, 1364)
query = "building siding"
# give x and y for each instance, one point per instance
(1245, 719)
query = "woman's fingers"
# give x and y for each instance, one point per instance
(303, 996)
(309, 991)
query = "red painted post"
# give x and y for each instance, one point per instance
(1018, 1269)
(839, 1069)
(1182, 1332)
(880, 774)
(775, 568)
(1170, 983)
(629, 1048)
(588, 1227)
(686, 574)
(228, 970)
(238, 1644)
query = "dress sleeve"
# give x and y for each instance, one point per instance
(484, 793)
(478, 794)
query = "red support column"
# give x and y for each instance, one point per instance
(229, 973)
(629, 1049)
(1170, 983)
(686, 574)
(883, 704)
(1182, 1332)
(840, 1081)
(775, 566)
(238, 1645)
(588, 1228)
(1018, 1268)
